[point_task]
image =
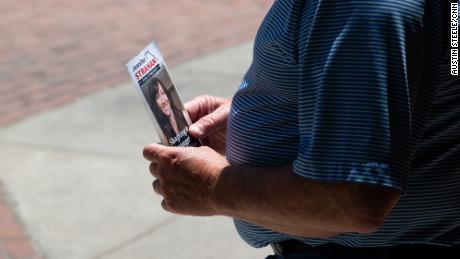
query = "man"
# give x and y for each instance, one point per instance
(342, 140)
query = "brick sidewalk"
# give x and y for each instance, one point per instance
(14, 243)
(52, 52)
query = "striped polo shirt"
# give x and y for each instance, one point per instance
(356, 91)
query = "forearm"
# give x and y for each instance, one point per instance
(280, 200)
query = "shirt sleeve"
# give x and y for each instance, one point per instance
(354, 96)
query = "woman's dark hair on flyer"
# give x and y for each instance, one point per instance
(153, 88)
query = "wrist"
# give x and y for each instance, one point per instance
(223, 195)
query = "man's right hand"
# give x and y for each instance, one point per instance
(209, 116)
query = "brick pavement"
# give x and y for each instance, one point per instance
(14, 242)
(52, 52)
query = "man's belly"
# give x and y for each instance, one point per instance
(262, 130)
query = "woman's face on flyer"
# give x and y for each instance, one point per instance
(162, 101)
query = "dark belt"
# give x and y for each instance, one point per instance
(297, 247)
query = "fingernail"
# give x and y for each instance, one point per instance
(196, 130)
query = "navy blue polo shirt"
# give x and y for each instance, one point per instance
(356, 91)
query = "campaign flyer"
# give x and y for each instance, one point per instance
(159, 94)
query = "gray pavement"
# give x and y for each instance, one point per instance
(82, 189)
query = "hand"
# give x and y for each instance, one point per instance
(209, 116)
(186, 177)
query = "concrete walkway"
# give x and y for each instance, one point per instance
(82, 189)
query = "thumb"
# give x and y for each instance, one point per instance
(210, 123)
(153, 152)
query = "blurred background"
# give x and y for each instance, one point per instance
(73, 183)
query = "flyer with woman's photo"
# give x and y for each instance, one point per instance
(154, 85)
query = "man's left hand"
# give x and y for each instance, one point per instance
(185, 177)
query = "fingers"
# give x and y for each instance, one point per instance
(163, 158)
(157, 187)
(152, 152)
(203, 105)
(208, 113)
(165, 205)
(153, 168)
(169, 205)
(210, 123)
(194, 108)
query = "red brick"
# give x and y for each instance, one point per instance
(10, 229)
(14, 243)
(5, 212)
(81, 46)
(20, 248)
